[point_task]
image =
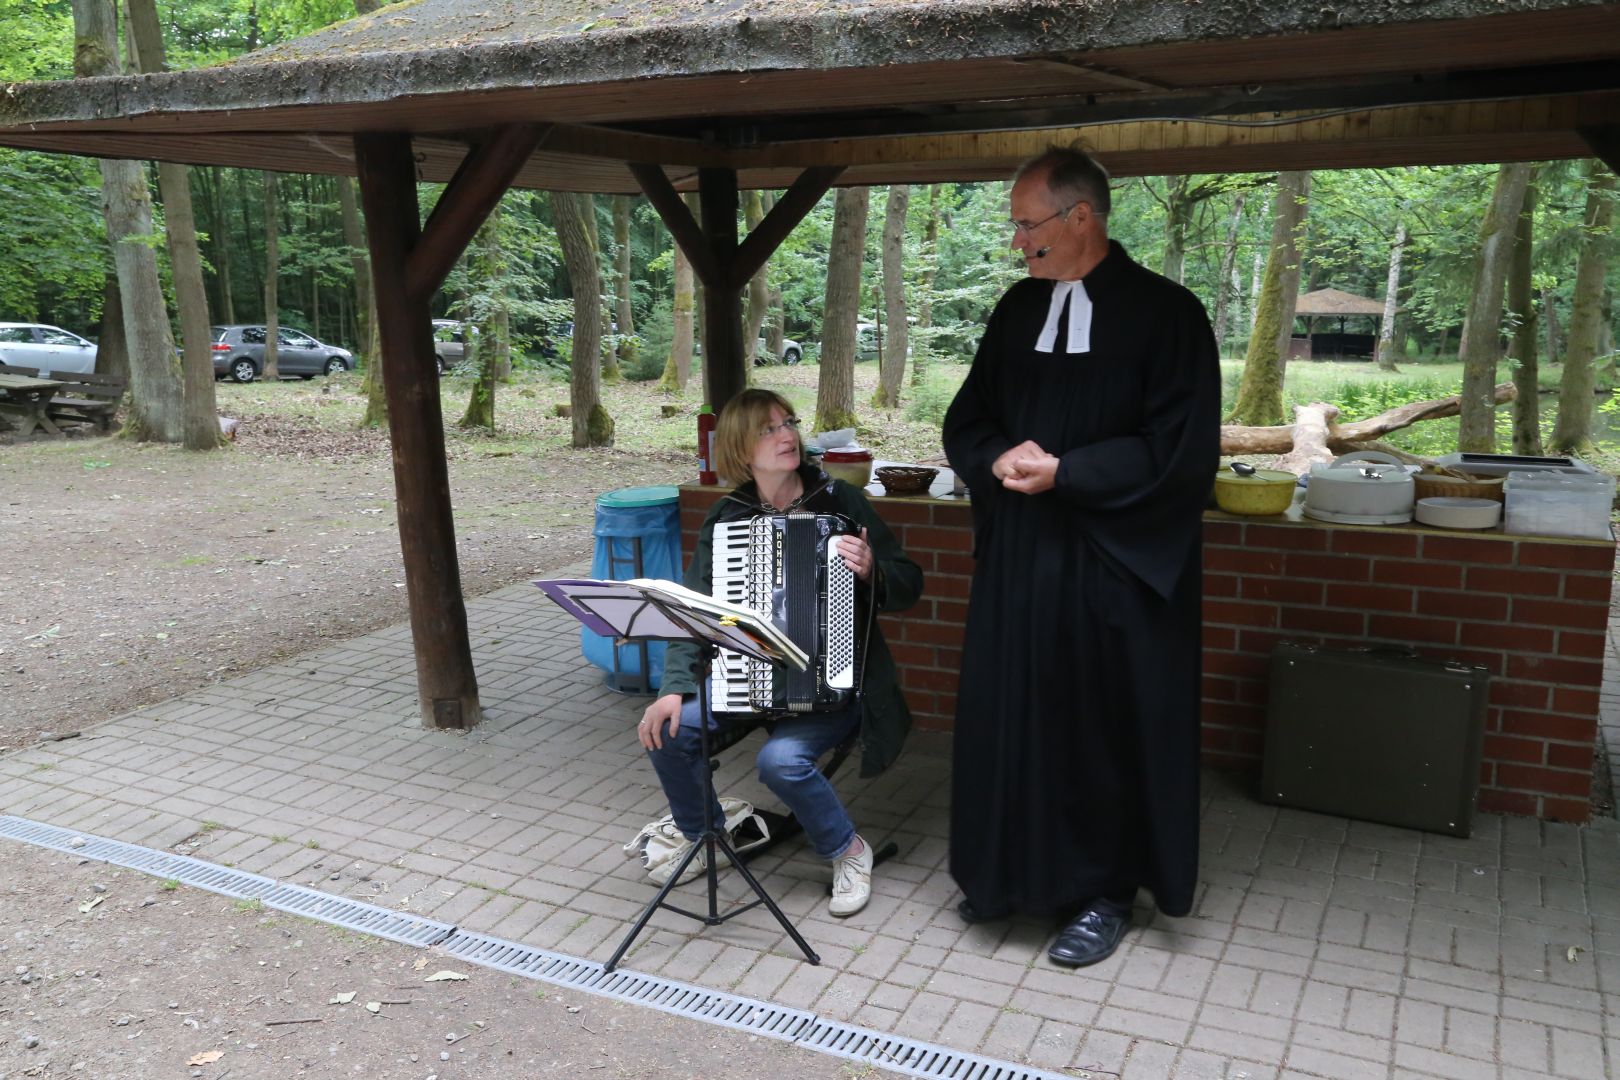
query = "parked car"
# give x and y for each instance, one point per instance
(48, 348)
(792, 352)
(239, 353)
(866, 341)
(450, 342)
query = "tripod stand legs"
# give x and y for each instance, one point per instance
(707, 843)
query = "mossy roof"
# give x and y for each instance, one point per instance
(793, 82)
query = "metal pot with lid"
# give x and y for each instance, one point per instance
(1361, 488)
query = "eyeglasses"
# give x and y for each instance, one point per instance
(1027, 227)
(790, 424)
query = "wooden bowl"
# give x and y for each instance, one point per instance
(906, 479)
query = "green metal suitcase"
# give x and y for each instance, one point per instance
(1377, 734)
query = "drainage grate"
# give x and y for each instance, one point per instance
(310, 903)
(715, 1006)
(801, 1028)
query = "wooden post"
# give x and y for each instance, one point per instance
(446, 684)
(724, 372)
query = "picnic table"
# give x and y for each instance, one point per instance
(26, 400)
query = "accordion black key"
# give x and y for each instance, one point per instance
(787, 566)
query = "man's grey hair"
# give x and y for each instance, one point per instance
(1072, 176)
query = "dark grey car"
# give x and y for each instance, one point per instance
(239, 354)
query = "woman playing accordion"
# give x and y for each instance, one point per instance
(757, 446)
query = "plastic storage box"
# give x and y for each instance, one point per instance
(1558, 504)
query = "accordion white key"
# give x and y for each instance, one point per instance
(787, 566)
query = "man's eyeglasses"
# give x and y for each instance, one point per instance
(1027, 227)
(790, 424)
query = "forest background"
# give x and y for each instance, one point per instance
(582, 291)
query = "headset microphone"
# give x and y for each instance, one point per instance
(1040, 253)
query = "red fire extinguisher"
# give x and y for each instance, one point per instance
(706, 473)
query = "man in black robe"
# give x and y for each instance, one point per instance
(1088, 432)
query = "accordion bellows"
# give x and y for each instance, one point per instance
(787, 567)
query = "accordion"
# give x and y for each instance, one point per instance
(787, 566)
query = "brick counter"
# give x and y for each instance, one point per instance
(1533, 611)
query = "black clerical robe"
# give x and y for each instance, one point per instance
(1077, 721)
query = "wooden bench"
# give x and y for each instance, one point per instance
(87, 398)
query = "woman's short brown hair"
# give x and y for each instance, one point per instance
(737, 431)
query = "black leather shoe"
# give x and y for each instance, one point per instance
(972, 915)
(1089, 937)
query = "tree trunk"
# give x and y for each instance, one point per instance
(609, 365)
(678, 368)
(112, 347)
(1281, 439)
(835, 392)
(1260, 394)
(1521, 301)
(272, 278)
(892, 370)
(219, 242)
(1392, 290)
(1226, 284)
(1257, 269)
(925, 287)
(775, 318)
(1294, 190)
(592, 424)
(488, 265)
(759, 293)
(1572, 433)
(1549, 315)
(157, 409)
(1178, 207)
(1476, 431)
(201, 417)
(627, 347)
(364, 306)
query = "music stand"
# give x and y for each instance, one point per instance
(644, 610)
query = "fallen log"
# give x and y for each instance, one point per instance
(1341, 438)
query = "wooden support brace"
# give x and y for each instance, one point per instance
(484, 176)
(768, 235)
(679, 221)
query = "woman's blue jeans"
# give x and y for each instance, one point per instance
(787, 765)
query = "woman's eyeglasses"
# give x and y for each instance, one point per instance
(790, 424)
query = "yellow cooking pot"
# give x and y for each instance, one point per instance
(1254, 491)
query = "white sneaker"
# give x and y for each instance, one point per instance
(852, 881)
(660, 873)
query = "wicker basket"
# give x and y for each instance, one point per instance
(906, 479)
(1427, 485)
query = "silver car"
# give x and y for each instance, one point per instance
(450, 342)
(239, 353)
(48, 348)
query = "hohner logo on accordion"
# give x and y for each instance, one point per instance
(787, 567)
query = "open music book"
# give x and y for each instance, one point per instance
(654, 610)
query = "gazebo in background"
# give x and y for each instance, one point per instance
(1334, 303)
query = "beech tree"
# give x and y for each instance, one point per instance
(1260, 398)
(892, 371)
(1573, 431)
(1482, 348)
(835, 394)
(156, 409)
(592, 424)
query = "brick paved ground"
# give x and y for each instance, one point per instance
(1320, 947)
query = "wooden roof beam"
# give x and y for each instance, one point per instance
(472, 194)
(1605, 143)
(679, 221)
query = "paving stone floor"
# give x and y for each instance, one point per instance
(1320, 947)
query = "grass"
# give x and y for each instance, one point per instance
(251, 906)
(528, 430)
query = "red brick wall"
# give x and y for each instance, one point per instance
(1534, 612)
